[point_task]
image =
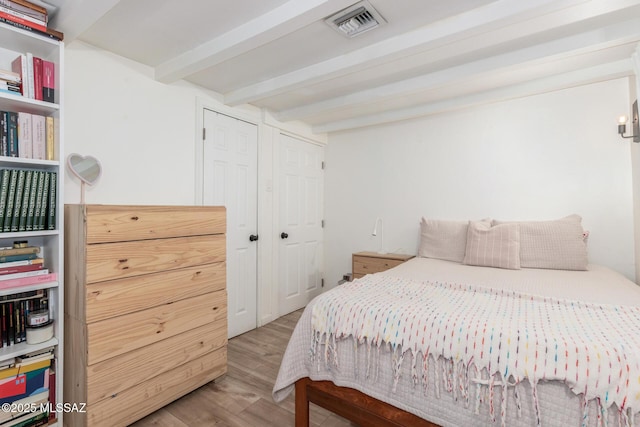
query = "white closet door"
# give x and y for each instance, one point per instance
(301, 264)
(230, 177)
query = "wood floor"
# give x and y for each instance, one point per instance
(243, 396)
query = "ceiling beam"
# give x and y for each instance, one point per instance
(599, 73)
(274, 24)
(74, 17)
(466, 25)
(621, 33)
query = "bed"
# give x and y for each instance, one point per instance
(586, 320)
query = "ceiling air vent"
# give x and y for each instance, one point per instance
(356, 19)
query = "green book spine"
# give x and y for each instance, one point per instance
(41, 201)
(38, 204)
(5, 175)
(12, 134)
(17, 203)
(51, 212)
(8, 213)
(26, 195)
(32, 201)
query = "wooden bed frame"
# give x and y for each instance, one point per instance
(351, 404)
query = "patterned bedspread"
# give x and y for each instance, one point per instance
(481, 346)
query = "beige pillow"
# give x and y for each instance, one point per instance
(559, 244)
(493, 246)
(445, 240)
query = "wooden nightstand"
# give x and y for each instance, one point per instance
(373, 262)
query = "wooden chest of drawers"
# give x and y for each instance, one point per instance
(372, 262)
(145, 306)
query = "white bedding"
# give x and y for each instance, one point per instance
(558, 405)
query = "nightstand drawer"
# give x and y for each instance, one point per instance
(371, 262)
(366, 265)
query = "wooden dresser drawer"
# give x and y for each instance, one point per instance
(143, 398)
(109, 261)
(107, 223)
(112, 376)
(118, 335)
(121, 296)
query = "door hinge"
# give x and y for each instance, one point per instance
(204, 134)
(322, 165)
(322, 282)
(322, 223)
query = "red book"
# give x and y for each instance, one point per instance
(20, 269)
(52, 393)
(48, 81)
(37, 78)
(13, 16)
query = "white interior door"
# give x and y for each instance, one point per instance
(301, 194)
(230, 178)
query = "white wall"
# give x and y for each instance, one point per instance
(142, 131)
(540, 157)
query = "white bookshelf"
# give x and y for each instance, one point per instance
(14, 42)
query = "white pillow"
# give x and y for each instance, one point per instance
(493, 246)
(445, 240)
(558, 244)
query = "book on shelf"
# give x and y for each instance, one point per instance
(49, 32)
(26, 195)
(39, 137)
(19, 66)
(48, 81)
(50, 134)
(21, 274)
(32, 401)
(10, 86)
(22, 18)
(38, 297)
(20, 251)
(41, 193)
(51, 203)
(27, 281)
(28, 8)
(37, 78)
(10, 76)
(4, 132)
(30, 78)
(5, 175)
(25, 139)
(31, 204)
(12, 134)
(36, 356)
(20, 269)
(12, 258)
(35, 261)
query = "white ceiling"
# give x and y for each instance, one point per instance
(431, 55)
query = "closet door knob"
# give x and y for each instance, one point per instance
(253, 238)
(283, 235)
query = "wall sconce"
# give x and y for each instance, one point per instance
(375, 233)
(635, 126)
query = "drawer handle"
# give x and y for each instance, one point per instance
(134, 218)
